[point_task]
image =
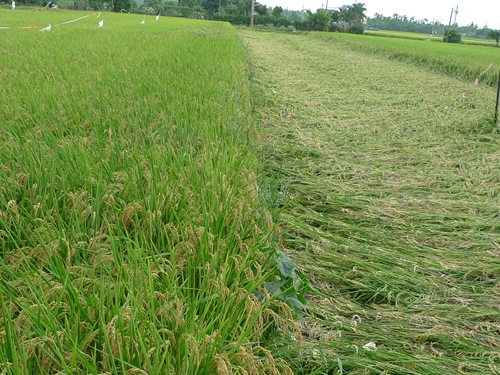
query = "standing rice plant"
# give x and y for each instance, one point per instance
(133, 238)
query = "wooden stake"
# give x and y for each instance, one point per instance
(498, 99)
(252, 11)
(476, 81)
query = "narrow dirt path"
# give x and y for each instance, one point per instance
(391, 206)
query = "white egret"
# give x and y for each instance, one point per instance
(101, 23)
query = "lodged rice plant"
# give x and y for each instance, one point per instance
(457, 60)
(390, 178)
(133, 236)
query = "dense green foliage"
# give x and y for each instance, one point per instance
(350, 18)
(321, 20)
(452, 36)
(494, 34)
(122, 5)
(134, 233)
(411, 24)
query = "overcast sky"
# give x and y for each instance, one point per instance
(481, 12)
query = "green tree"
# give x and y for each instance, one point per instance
(94, 4)
(118, 5)
(350, 18)
(494, 34)
(277, 12)
(357, 11)
(192, 3)
(453, 36)
(261, 10)
(213, 6)
(243, 6)
(319, 21)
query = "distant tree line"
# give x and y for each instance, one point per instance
(347, 18)
(397, 22)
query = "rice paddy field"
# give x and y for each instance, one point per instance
(157, 176)
(388, 175)
(133, 239)
(404, 35)
(465, 61)
(427, 37)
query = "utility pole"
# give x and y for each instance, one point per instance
(449, 25)
(456, 12)
(252, 11)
